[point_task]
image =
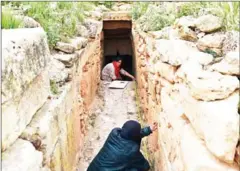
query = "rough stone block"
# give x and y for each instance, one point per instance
(43, 131)
(197, 157)
(18, 113)
(22, 156)
(229, 65)
(217, 122)
(25, 55)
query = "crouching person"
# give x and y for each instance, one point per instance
(121, 151)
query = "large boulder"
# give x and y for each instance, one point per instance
(229, 65)
(208, 23)
(209, 86)
(174, 52)
(217, 122)
(178, 136)
(22, 156)
(196, 156)
(25, 82)
(211, 42)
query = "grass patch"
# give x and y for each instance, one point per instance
(59, 19)
(9, 21)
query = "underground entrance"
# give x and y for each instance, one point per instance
(116, 42)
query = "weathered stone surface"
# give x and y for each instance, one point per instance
(82, 31)
(17, 114)
(212, 42)
(186, 33)
(55, 163)
(171, 128)
(93, 26)
(67, 59)
(57, 72)
(199, 158)
(22, 156)
(25, 54)
(231, 42)
(79, 43)
(25, 86)
(30, 22)
(217, 122)
(200, 57)
(65, 47)
(43, 130)
(185, 21)
(208, 23)
(189, 67)
(210, 86)
(165, 70)
(174, 52)
(229, 65)
(166, 33)
(184, 26)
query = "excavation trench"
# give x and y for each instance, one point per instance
(63, 112)
(111, 107)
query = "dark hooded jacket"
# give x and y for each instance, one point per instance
(121, 151)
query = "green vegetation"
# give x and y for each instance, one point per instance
(54, 87)
(108, 4)
(228, 11)
(154, 16)
(9, 21)
(59, 20)
(138, 9)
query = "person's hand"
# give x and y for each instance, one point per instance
(154, 126)
(133, 78)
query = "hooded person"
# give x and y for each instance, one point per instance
(121, 150)
(112, 71)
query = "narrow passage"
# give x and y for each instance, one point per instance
(111, 108)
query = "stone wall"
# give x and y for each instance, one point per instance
(195, 104)
(45, 99)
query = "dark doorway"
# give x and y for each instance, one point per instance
(117, 42)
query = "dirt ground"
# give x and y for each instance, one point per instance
(111, 108)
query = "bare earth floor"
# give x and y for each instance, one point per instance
(111, 108)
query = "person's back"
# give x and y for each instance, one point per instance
(121, 152)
